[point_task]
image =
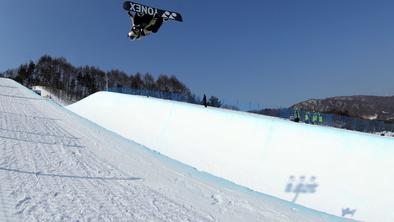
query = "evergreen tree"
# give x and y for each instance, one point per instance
(214, 101)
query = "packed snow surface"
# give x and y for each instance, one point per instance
(336, 171)
(57, 166)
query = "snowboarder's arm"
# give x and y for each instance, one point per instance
(130, 14)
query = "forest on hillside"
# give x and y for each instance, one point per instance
(74, 83)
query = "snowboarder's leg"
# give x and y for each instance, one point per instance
(149, 27)
(155, 25)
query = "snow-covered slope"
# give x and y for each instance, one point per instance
(345, 169)
(49, 95)
(57, 166)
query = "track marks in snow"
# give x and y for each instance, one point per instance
(52, 170)
(48, 173)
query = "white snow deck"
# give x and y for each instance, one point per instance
(351, 170)
(57, 166)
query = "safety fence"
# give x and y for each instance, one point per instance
(338, 121)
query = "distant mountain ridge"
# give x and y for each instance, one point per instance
(359, 106)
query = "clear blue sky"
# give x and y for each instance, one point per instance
(272, 52)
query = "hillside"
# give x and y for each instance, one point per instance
(73, 83)
(258, 152)
(57, 166)
(364, 107)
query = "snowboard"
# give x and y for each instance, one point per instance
(158, 13)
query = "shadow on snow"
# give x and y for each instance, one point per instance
(69, 176)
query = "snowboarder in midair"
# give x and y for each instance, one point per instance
(143, 25)
(146, 20)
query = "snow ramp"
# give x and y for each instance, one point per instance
(340, 172)
(57, 166)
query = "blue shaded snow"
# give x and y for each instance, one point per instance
(201, 175)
